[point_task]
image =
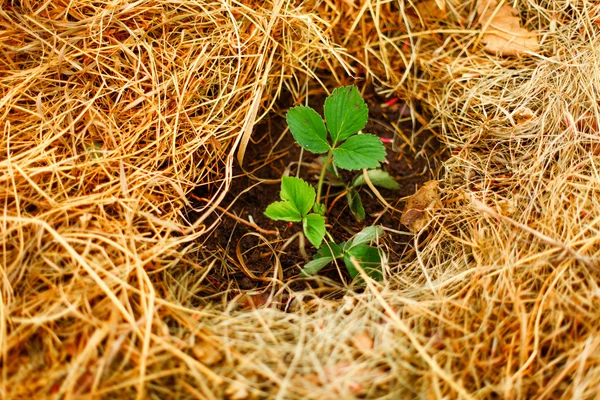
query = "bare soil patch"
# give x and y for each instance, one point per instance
(413, 155)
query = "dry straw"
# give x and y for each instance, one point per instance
(112, 112)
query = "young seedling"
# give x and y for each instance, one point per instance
(298, 198)
(346, 114)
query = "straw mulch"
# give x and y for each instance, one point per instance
(113, 112)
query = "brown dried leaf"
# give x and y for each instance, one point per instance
(508, 37)
(237, 391)
(252, 301)
(432, 9)
(362, 342)
(207, 353)
(415, 215)
(524, 115)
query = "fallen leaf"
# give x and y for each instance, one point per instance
(253, 301)
(508, 37)
(431, 9)
(415, 215)
(237, 391)
(524, 115)
(362, 342)
(207, 354)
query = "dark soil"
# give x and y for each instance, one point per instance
(410, 163)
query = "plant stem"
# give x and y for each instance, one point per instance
(322, 176)
(329, 236)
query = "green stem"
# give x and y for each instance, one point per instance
(329, 236)
(322, 176)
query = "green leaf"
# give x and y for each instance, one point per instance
(345, 113)
(329, 249)
(299, 193)
(355, 204)
(314, 228)
(326, 254)
(360, 151)
(319, 208)
(283, 211)
(378, 178)
(315, 266)
(367, 257)
(308, 129)
(345, 246)
(367, 235)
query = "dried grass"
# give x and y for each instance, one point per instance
(113, 112)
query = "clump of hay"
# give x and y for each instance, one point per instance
(113, 114)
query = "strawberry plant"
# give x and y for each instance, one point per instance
(346, 114)
(339, 138)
